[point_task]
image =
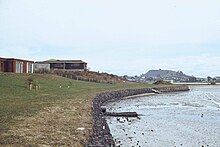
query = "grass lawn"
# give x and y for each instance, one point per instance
(51, 115)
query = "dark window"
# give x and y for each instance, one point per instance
(74, 66)
(9, 66)
(57, 65)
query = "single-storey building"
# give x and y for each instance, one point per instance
(16, 65)
(73, 65)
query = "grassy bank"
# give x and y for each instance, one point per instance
(51, 115)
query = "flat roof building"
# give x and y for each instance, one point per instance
(73, 65)
(16, 65)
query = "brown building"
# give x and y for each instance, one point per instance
(16, 65)
(74, 65)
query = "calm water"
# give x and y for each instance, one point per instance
(174, 119)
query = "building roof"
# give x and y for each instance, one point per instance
(2, 58)
(14, 59)
(61, 61)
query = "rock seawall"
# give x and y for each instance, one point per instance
(101, 136)
(173, 89)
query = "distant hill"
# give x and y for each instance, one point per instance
(154, 75)
(164, 74)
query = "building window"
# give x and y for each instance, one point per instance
(19, 67)
(29, 67)
(58, 65)
(9, 66)
(75, 64)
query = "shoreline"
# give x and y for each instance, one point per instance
(197, 84)
(101, 135)
(138, 95)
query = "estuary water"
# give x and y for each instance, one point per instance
(189, 119)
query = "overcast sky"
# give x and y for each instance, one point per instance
(116, 36)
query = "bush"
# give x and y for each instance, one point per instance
(32, 83)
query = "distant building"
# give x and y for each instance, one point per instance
(216, 79)
(16, 65)
(170, 81)
(72, 65)
(192, 79)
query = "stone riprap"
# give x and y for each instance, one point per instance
(173, 89)
(101, 136)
